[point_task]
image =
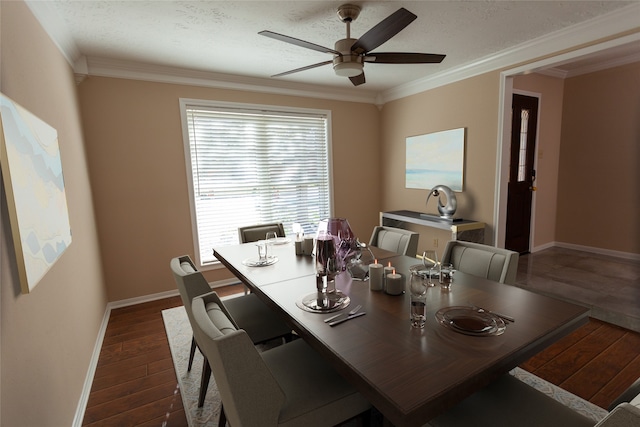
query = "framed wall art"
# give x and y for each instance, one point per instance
(436, 159)
(35, 192)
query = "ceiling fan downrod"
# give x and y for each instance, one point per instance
(348, 64)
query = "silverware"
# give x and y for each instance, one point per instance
(352, 316)
(352, 312)
(329, 319)
(500, 315)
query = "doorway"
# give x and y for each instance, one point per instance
(522, 175)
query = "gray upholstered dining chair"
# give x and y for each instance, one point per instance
(246, 312)
(289, 385)
(499, 265)
(253, 233)
(398, 240)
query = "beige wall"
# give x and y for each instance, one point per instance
(135, 152)
(472, 104)
(141, 207)
(599, 182)
(47, 336)
(550, 92)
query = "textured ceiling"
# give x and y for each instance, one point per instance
(222, 36)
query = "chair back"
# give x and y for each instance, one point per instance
(253, 233)
(398, 240)
(191, 283)
(499, 265)
(250, 394)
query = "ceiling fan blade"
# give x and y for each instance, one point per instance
(308, 67)
(404, 58)
(298, 42)
(383, 31)
(358, 80)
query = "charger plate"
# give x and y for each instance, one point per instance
(319, 302)
(256, 262)
(469, 321)
(424, 272)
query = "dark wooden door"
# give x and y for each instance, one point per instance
(524, 122)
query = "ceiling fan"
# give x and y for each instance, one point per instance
(349, 55)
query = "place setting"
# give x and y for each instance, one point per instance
(263, 259)
(273, 239)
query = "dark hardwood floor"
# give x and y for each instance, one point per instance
(135, 383)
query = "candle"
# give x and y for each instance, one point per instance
(394, 284)
(307, 245)
(376, 276)
(387, 270)
(298, 245)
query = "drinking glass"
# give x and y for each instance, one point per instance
(271, 236)
(418, 298)
(446, 276)
(262, 250)
(430, 262)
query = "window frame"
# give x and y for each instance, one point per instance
(204, 103)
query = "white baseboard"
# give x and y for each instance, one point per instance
(88, 382)
(543, 247)
(600, 251)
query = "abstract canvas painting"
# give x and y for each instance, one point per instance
(435, 159)
(35, 192)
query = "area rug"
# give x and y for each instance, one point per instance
(179, 335)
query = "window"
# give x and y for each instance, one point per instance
(251, 164)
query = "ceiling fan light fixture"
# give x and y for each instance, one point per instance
(348, 69)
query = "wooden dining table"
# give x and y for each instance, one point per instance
(410, 375)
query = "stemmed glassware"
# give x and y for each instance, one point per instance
(271, 236)
(327, 297)
(326, 262)
(430, 262)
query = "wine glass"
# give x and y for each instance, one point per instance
(430, 262)
(326, 263)
(271, 237)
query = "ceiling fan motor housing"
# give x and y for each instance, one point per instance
(349, 64)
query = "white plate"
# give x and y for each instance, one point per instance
(279, 241)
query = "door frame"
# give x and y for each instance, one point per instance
(504, 130)
(532, 223)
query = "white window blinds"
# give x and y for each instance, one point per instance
(252, 166)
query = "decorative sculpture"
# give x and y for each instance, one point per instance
(446, 211)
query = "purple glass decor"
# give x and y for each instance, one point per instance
(345, 241)
(327, 297)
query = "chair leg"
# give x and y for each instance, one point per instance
(192, 353)
(204, 382)
(222, 422)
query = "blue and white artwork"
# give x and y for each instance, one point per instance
(36, 197)
(435, 159)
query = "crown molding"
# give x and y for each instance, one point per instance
(53, 25)
(629, 59)
(617, 22)
(104, 67)
(554, 72)
(606, 26)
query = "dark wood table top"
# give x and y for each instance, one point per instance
(411, 375)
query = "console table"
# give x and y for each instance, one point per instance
(467, 230)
